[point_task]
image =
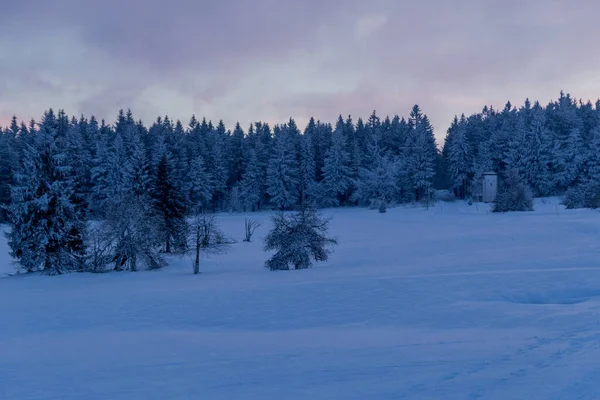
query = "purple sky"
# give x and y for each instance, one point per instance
(246, 60)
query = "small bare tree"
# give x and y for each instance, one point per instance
(206, 237)
(250, 226)
(99, 250)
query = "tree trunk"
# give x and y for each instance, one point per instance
(197, 259)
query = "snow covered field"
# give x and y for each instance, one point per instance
(446, 303)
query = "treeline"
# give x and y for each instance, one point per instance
(141, 184)
(82, 194)
(553, 150)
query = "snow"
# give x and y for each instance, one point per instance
(447, 303)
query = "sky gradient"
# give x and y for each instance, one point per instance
(248, 60)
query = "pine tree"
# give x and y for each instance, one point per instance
(7, 163)
(538, 171)
(219, 173)
(46, 228)
(337, 174)
(307, 172)
(377, 184)
(252, 183)
(169, 203)
(132, 226)
(460, 158)
(421, 154)
(199, 187)
(298, 239)
(282, 174)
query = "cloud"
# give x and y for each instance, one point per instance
(268, 60)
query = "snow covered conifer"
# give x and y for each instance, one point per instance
(251, 185)
(282, 173)
(377, 183)
(7, 164)
(308, 171)
(46, 229)
(199, 185)
(298, 239)
(513, 194)
(169, 203)
(337, 173)
(421, 155)
(133, 229)
(460, 159)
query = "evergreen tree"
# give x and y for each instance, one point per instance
(307, 172)
(282, 174)
(169, 203)
(421, 154)
(218, 171)
(460, 158)
(298, 239)
(7, 163)
(377, 184)
(337, 174)
(46, 229)
(199, 187)
(252, 183)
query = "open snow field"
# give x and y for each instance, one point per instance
(446, 303)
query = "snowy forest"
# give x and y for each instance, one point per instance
(68, 183)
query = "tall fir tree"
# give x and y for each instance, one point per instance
(46, 229)
(169, 203)
(337, 173)
(282, 173)
(421, 153)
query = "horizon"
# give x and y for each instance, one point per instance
(440, 135)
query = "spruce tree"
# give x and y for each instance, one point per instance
(282, 174)
(421, 155)
(337, 174)
(252, 183)
(460, 159)
(377, 184)
(169, 203)
(46, 229)
(307, 172)
(7, 163)
(199, 188)
(298, 239)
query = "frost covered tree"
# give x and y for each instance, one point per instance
(206, 237)
(586, 194)
(219, 172)
(337, 174)
(298, 239)
(539, 146)
(199, 185)
(8, 161)
(46, 231)
(252, 183)
(460, 158)
(307, 172)
(377, 184)
(513, 194)
(421, 153)
(570, 159)
(132, 226)
(282, 174)
(169, 202)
